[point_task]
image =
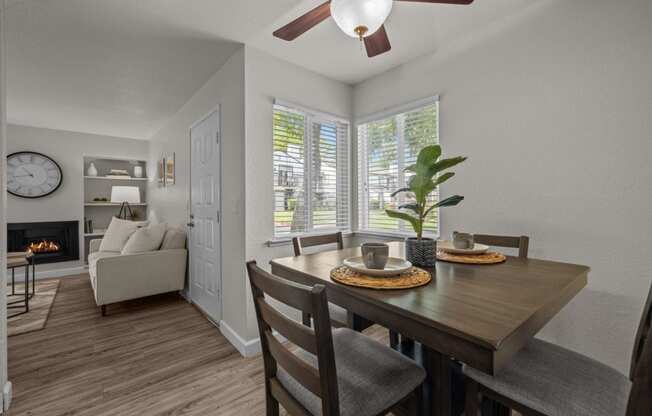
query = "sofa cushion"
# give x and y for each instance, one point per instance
(145, 239)
(118, 233)
(92, 262)
(174, 238)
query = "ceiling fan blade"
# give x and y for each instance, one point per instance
(302, 24)
(441, 1)
(378, 43)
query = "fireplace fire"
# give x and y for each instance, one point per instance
(43, 246)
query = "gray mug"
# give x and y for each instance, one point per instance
(463, 240)
(374, 255)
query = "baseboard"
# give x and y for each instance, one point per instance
(7, 393)
(49, 274)
(245, 348)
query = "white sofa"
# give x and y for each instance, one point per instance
(117, 277)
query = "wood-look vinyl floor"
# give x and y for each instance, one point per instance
(157, 356)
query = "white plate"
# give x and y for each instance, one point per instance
(394, 267)
(448, 247)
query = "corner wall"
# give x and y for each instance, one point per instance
(553, 111)
(171, 204)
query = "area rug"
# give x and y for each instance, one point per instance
(39, 308)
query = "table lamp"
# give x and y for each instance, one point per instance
(125, 195)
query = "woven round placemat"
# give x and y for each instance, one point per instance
(490, 257)
(414, 277)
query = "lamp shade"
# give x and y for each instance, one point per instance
(359, 18)
(130, 194)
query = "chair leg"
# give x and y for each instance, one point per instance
(305, 318)
(393, 339)
(271, 405)
(472, 400)
(416, 406)
(103, 309)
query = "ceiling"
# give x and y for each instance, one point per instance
(124, 67)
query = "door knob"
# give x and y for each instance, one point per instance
(191, 224)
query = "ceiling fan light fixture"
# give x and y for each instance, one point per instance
(360, 18)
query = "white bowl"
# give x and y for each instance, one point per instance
(394, 267)
(448, 247)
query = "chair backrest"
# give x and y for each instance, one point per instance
(522, 243)
(300, 243)
(322, 380)
(640, 396)
(641, 335)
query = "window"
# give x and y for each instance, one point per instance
(311, 172)
(386, 145)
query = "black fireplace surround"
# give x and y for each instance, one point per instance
(63, 233)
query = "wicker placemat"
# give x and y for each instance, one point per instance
(414, 277)
(490, 257)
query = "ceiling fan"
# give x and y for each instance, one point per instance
(363, 19)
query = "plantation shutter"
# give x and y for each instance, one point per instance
(386, 145)
(311, 172)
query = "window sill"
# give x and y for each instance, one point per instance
(286, 241)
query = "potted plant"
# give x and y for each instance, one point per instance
(428, 174)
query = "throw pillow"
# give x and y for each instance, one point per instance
(118, 233)
(145, 239)
(174, 238)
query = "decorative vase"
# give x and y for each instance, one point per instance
(92, 170)
(138, 171)
(421, 253)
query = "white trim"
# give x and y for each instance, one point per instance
(311, 111)
(392, 111)
(249, 348)
(7, 395)
(48, 274)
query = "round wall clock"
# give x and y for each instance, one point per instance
(32, 175)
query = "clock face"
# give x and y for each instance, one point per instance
(32, 175)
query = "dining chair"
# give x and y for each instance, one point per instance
(339, 316)
(521, 243)
(334, 372)
(544, 379)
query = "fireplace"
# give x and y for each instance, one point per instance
(50, 242)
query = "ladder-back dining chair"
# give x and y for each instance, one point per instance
(544, 379)
(339, 316)
(521, 243)
(334, 372)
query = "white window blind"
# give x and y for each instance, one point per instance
(385, 147)
(311, 172)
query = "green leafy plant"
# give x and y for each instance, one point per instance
(428, 174)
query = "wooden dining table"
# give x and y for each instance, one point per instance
(480, 315)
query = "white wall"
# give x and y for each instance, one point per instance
(226, 89)
(267, 78)
(67, 149)
(553, 111)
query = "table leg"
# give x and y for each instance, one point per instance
(492, 408)
(26, 288)
(440, 369)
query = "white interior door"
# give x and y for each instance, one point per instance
(205, 244)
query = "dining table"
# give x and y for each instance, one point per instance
(479, 315)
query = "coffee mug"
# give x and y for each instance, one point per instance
(374, 255)
(463, 240)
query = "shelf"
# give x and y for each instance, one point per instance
(110, 204)
(96, 233)
(116, 179)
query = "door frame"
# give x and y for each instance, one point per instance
(218, 110)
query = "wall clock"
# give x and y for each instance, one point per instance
(32, 175)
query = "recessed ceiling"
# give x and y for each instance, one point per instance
(124, 67)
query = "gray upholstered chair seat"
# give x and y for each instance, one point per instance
(557, 382)
(370, 376)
